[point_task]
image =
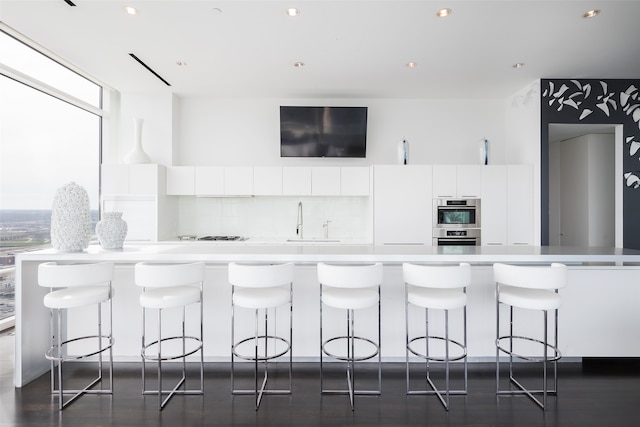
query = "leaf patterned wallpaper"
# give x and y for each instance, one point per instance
(596, 101)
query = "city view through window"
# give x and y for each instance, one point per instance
(45, 143)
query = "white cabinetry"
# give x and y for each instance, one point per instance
(354, 181)
(209, 181)
(139, 192)
(267, 181)
(519, 205)
(181, 181)
(402, 204)
(457, 181)
(238, 181)
(493, 213)
(325, 181)
(296, 181)
(507, 205)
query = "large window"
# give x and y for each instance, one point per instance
(50, 126)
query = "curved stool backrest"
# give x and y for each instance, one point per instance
(53, 275)
(350, 276)
(444, 277)
(151, 275)
(260, 275)
(548, 277)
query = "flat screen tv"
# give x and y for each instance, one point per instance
(323, 131)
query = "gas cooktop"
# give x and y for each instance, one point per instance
(227, 238)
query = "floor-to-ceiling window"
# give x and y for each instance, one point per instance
(50, 127)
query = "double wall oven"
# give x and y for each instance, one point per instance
(456, 222)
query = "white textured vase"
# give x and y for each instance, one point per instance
(111, 230)
(137, 154)
(71, 219)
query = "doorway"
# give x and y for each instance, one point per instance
(585, 197)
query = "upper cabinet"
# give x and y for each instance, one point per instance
(267, 181)
(325, 181)
(209, 181)
(457, 181)
(296, 181)
(181, 181)
(355, 181)
(132, 179)
(238, 181)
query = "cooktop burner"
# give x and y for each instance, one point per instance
(228, 238)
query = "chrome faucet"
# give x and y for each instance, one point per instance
(326, 229)
(299, 223)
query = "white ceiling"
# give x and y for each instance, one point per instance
(351, 48)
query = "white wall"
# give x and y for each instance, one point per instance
(246, 131)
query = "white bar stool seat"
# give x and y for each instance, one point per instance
(170, 286)
(261, 287)
(83, 285)
(436, 288)
(530, 288)
(350, 287)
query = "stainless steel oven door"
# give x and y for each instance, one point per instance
(456, 237)
(456, 213)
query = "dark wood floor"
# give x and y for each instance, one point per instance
(591, 394)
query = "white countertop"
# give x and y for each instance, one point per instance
(305, 253)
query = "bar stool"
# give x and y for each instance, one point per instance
(260, 288)
(167, 286)
(438, 288)
(532, 288)
(350, 287)
(84, 285)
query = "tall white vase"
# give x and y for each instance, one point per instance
(137, 154)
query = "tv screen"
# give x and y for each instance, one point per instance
(323, 131)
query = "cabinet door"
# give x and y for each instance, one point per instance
(267, 181)
(402, 204)
(325, 181)
(209, 181)
(115, 179)
(181, 181)
(296, 181)
(445, 179)
(238, 181)
(143, 179)
(469, 181)
(520, 204)
(354, 181)
(493, 208)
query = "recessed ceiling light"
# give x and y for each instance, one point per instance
(292, 11)
(443, 13)
(591, 13)
(298, 64)
(412, 64)
(131, 10)
(518, 65)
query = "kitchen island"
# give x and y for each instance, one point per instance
(598, 317)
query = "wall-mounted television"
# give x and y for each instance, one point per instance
(323, 131)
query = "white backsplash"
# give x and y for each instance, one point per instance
(276, 217)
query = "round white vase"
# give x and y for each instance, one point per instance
(111, 230)
(70, 219)
(137, 154)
